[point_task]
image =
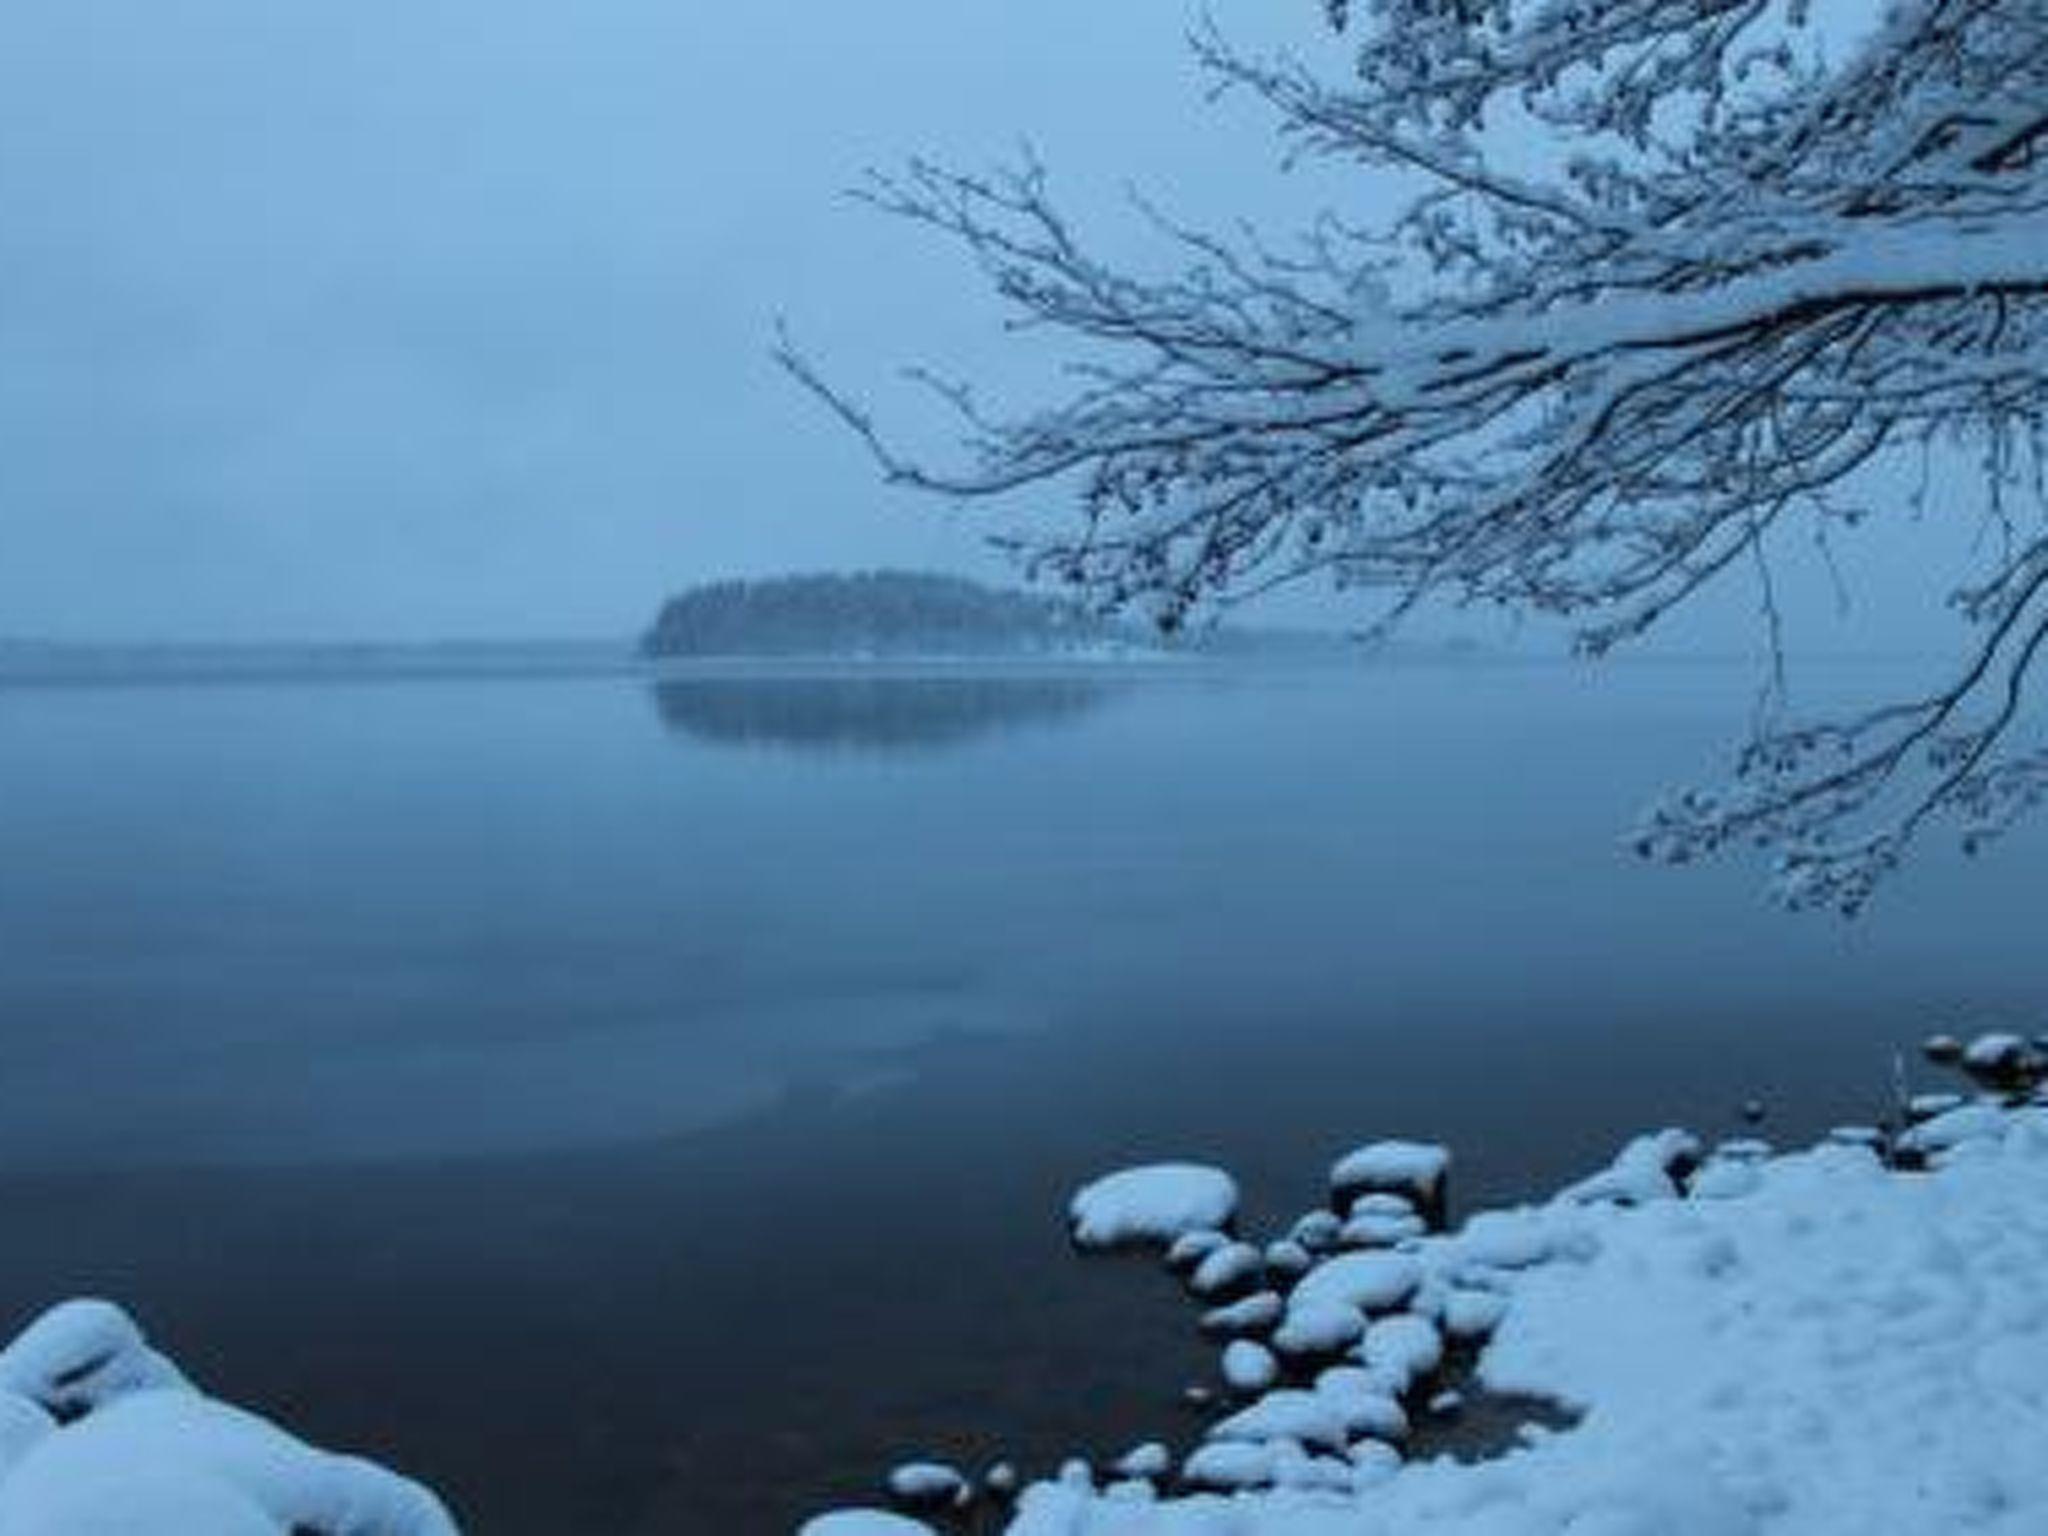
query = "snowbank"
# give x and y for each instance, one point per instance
(102, 1436)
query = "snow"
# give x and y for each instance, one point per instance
(863, 1522)
(1989, 1052)
(1414, 1168)
(1230, 1268)
(1153, 1204)
(1319, 1328)
(1647, 1170)
(1403, 1348)
(1800, 1344)
(1249, 1367)
(1150, 1460)
(929, 1485)
(166, 1459)
(1257, 1313)
(80, 1355)
(1366, 1282)
(1300, 1418)
(1190, 1248)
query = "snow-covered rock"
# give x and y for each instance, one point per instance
(1314, 1328)
(929, 1487)
(1648, 1169)
(1365, 1282)
(1249, 1367)
(1414, 1169)
(1149, 1461)
(1256, 1313)
(1232, 1268)
(1289, 1414)
(1190, 1248)
(102, 1436)
(165, 1461)
(863, 1522)
(1152, 1204)
(80, 1355)
(1402, 1349)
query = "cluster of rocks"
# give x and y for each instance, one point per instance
(1359, 1322)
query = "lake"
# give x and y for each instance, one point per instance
(645, 1105)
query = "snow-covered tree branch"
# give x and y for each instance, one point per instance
(1725, 278)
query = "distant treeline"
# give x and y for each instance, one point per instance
(881, 613)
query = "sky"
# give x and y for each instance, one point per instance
(424, 319)
(439, 318)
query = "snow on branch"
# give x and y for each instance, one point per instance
(1736, 277)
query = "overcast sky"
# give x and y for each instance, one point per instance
(450, 317)
(432, 318)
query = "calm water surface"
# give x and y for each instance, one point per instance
(646, 1108)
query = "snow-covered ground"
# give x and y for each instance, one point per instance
(1850, 1340)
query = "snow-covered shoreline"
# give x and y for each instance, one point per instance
(1851, 1338)
(1847, 1340)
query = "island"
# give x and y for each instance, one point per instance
(878, 613)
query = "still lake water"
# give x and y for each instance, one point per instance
(647, 1109)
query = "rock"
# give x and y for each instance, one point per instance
(1000, 1482)
(1190, 1248)
(861, 1522)
(1649, 1169)
(928, 1487)
(1368, 1282)
(1403, 1348)
(1288, 1259)
(1318, 1231)
(1156, 1203)
(1290, 1415)
(1231, 1270)
(1942, 1050)
(1417, 1170)
(1318, 1329)
(1362, 1400)
(1249, 1368)
(1257, 1313)
(1471, 1315)
(1148, 1462)
(2003, 1062)
(1230, 1467)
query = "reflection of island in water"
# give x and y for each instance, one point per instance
(869, 713)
